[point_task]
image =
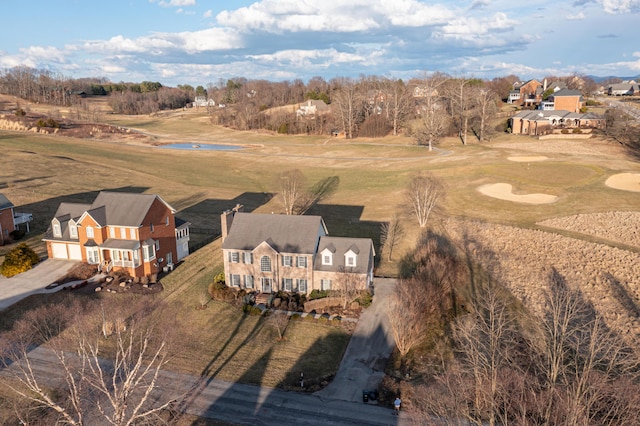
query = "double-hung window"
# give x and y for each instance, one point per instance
(235, 280)
(302, 285)
(247, 257)
(248, 281)
(287, 260)
(234, 257)
(287, 284)
(302, 262)
(325, 284)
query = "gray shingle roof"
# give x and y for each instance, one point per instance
(567, 92)
(4, 202)
(362, 247)
(121, 208)
(285, 233)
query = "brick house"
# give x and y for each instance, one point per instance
(10, 219)
(269, 253)
(134, 233)
(540, 122)
(6, 218)
(567, 100)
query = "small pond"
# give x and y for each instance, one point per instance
(201, 147)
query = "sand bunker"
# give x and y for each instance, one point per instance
(504, 191)
(625, 182)
(528, 159)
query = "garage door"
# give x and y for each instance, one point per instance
(59, 251)
(75, 252)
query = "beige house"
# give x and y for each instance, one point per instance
(268, 253)
(541, 122)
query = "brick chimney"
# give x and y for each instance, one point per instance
(226, 219)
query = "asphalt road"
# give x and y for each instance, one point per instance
(239, 403)
(32, 281)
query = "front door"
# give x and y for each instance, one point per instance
(266, 285)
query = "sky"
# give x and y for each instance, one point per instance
(199, 42)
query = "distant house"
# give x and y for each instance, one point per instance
(202, 101)
(563, 99)
(134, 233)
(312, 107)
(629, 88)
(526, 94)
(10, 219)
(540, 122)
(268, 253)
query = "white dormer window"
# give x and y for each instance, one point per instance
(89, 232)
(132, 233)
(56, 230)
(73, 231)
(327, 257)
(112, 232)
(123, 233)
(350, 258)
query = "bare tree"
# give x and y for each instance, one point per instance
(408, 312)
(398, 103)
(390, 235)
(423, 194)
(486, 106)
(460, 94)
(291, 188)
(433, 122)
(279, 321)
(348, 286)
(119, 391)
(485, 337)
(347, 102)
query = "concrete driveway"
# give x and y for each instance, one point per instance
(32, 281)
(362, 366)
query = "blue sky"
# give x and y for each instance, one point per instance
(201, 41)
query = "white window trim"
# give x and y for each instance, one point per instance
(287, 282)
(56, 230)
(286, 258)
(299, 285)
(327, 259)
(73, 231)
(301, 259)
(350, 257)
(248, 278)
(90, 233)
(234, 257)
(247, 255)
(112, 232)
(123, 233)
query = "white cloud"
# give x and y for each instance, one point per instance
(208, 14)
(161, 43)
(276, 16)
(620, 6)
(577, 17)
(174, 3)
(477, 29)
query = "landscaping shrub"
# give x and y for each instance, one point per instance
(50, 122)
(296, 317)
(365, 299)
(20, 112)
(219, 291)
(564, 131)
(251, 310)
(577, 130)
(318, 294)
(20, 259)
